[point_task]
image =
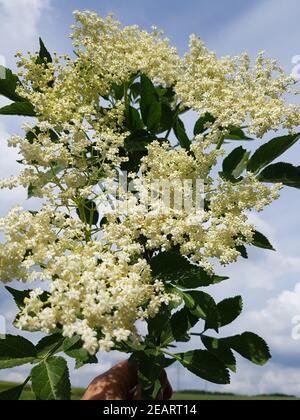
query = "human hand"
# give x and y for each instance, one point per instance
(121, 383)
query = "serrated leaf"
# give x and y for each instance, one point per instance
(167, 118)
(50, 380)
(181, 135)
(44, 55)
(19, 108)
(8, 85)
(16, 351)
(250, 346)
(242, 166)
(150, 367)
(201, 122)
(181, 322)
(206, 366)
(204, 307)
(73, 347)
(148, 97)
(135, 89)
(281, 172)
(260, 241)
(132, 119)
(154, 116)
(220, 351)
(20, 295)
(270, 151)
(49, 343)
(233, 160)
(158, 323)
(236, 133)
(229, 310)
(174, 267)
(243, 251)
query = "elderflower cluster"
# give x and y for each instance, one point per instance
(97, 277)
(201, 235)
(235, 92)
(93, 291)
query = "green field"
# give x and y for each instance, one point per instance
(182, 396)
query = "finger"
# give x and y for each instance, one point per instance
(167, 391)
(114, 384)
(137, 394)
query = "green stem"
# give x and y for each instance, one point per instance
(26, 380)
(220, 143)
(174, 356)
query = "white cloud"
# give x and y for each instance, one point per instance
(270, 379)
(19, 24)
(265, 270)
(271, 25)
(8, 167)
(275, 323)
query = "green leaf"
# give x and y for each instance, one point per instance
(49, 344)
(270, 151)
(167, 118)
(202, 121)
(154, 116)
(250, 346)
(135, 90)
(44, 55)
(138, 141)
(233, 160)
(158, 324)
(281, 172)
(118, 91)
(181, 322)
(135, 149)
(150, 367)
(148, 97)
(205, 365)
(236, 133)
(12, 394)
(73, 347)
(31, 191)
(220, 351)
(174, 267)
(16, 351)
(132, 119)
(31, 136)
(229, 310)
(242, 250)
(203, 306)
(260, 241)
(50, 380)
(19, 108)
(181, 135)
(89, 213)
(20, 295)
(9, 84)
(242, 166)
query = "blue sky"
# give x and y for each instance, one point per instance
(269, 282)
